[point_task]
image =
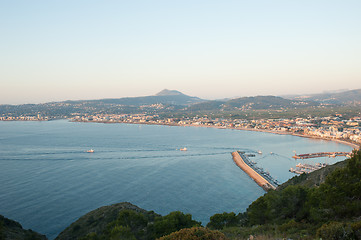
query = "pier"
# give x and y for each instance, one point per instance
(262, 178)
(321, 154)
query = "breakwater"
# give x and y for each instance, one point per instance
(321, 154)
(266, 182)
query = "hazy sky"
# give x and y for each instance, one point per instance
(85, 49)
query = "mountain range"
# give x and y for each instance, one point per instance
(172, 101)
(173, 97)
(254, 103)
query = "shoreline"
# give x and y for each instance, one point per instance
(344, 142)
(353, 145)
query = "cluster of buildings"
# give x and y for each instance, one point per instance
(24, 118)
(335, 127)
(323, 127)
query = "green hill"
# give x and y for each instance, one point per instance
(126, 221)
(350, 97)
(251, 103)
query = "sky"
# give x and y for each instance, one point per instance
(87, 49)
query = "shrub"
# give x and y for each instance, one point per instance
(221, 220)
(335, 231)
(195, 233)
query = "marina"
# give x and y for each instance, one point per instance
(307, 168)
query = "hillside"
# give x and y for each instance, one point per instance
(126, 221)
(164, 101)
(165, 96)
(97, 220)
(351, 97)
(252, 103)
(325, 204)
(313, 179)
(11, 230)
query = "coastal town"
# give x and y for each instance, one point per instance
(330, 128)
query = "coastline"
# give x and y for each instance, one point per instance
(353, 145)
(348, 143)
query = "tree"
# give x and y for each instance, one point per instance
(195, 233)
(172, 222)
(221, 220)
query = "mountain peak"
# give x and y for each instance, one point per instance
(166, 92)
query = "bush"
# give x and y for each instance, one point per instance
(195, 233)
(172, 222)
(335, 231)
(221, 220)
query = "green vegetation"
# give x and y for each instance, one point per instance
(222, 220)
(304, 211)
(11, 230)
(195, 233)
(131, 224)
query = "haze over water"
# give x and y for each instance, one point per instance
(48, 180)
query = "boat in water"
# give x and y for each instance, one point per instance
(90, 151)
(183, 149)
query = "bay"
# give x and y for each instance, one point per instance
(48, 180)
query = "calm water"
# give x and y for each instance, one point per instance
(48, 180)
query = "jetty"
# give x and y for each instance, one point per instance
(321, 154)
(263, 179)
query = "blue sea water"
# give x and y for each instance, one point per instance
(48, 180)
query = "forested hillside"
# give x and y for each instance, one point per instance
(331, 210)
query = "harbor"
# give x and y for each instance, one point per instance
(262, 178)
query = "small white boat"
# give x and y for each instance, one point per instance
(183, 149)
(259, 152)
(90, 151)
